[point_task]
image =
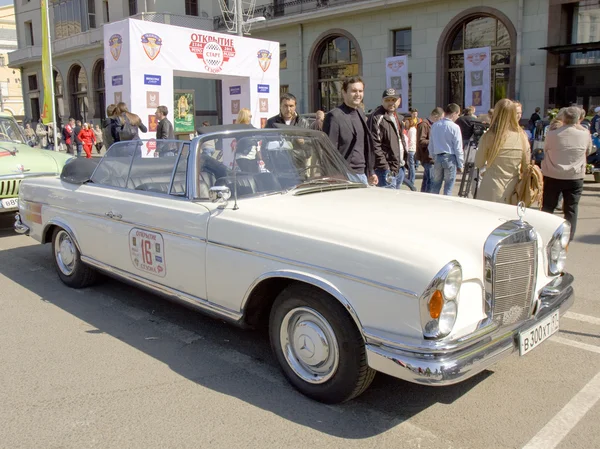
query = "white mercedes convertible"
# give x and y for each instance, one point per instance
(349, 279)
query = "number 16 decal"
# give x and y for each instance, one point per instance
(147, 250)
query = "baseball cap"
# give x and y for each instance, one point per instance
(390, 93)
(597, 109)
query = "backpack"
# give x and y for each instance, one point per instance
(127, 131)
(530, 188)
(107, 136)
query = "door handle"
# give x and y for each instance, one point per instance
(110, 214)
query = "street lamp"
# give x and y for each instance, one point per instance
(239, 15)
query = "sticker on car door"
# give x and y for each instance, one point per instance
(147, 250)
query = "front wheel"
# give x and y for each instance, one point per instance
(318, 345)
(67, 260)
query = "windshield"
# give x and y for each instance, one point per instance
(271, 161)
(10, 131)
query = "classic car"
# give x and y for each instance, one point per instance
(19, 161)
(349, 279)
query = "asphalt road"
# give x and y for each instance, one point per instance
(114, 367)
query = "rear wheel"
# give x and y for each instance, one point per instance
(67, 260)
(318, 345)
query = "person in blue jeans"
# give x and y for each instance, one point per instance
(389, 145)
(446, 148)
(422, 154)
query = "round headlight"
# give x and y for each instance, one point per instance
(452, 283)
(447, 318)
(564, 239)
(557, 249)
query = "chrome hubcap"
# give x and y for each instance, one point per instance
(64, 252)
(309, 345)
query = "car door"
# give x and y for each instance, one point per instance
(147, 228)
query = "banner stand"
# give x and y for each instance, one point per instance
(141, 59)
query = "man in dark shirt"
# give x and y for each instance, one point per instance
(78, 143)
(465, 123)
(347, 129)
(164, 130)
(287, 114)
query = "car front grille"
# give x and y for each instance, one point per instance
(9, 188)
(514, 273)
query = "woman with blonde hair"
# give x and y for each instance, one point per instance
(246, 154)
(504, 151)
(127, 125)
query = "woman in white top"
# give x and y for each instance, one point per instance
(411, 143)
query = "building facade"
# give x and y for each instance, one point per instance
(543, 52)
(78, 52)
(11, 93)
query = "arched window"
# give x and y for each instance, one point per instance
(78, 86)
(335, 57)
(99, 94)
(58, 97)
(478, 27)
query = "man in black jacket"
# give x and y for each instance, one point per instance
(287, 114)
(389, 144)
(78, 143)
(164, 129)
(347, 129)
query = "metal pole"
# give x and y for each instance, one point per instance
(239, 17)
(54, 124)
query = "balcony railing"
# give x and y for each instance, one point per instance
(199, 23)
(289, 8)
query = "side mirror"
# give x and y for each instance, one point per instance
(218, 193)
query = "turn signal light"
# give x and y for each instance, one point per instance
(436, 303)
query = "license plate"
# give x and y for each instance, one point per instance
(532, 337)
(10, 203)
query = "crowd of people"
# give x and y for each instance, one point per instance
(385, 148)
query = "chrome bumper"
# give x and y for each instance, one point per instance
(20, 228)
(441, 368)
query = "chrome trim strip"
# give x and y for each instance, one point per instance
(26, 175)
(132, 223)
(317, 268)
(58, 222)
(163, 290)
(323, 284)
(19, 227)
(457, 365)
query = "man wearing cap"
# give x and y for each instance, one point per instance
(347, 129)
(389, 144)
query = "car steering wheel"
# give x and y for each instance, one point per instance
(4, 135)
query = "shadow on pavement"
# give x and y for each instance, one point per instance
(246, 369)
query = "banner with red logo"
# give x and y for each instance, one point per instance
(478, 79)
(142, 58)
(396, 76)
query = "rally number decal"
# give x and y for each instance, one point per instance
(147, 251)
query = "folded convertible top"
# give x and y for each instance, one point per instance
(79, 171)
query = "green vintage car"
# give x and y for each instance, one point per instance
(18, 161)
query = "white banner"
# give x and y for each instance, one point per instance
(478, 79)
(143, 57)
(396, 77)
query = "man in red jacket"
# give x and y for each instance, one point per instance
(68, 135)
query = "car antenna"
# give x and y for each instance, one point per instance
(235, 204)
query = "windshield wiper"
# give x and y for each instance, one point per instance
(323, 183)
